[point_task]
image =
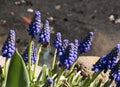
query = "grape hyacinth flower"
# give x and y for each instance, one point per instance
(108, 61)
(33, 55)
(68, 57)
(84, 46)
(50, 80)
(60, 50)
(34, 27)
(44, 36)
(115, 73)
(9, 45)
(65, 43)
(76, 48)
(58, 42)
(99, 64)
(33, 58)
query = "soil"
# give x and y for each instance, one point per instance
(73, 18)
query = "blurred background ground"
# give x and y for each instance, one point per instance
(73, 18)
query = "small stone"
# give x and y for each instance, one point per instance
(30, 10)
(117, 21)
(111, 17)
(52, 30)
(4, 21)
(17, 3)
(12, 13)
(50, 18)
(58, 7)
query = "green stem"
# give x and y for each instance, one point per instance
(6, 66)
(94, 76)
(37, 60)
(4, 72)
(54, 59)
(73, 65)
(29, 59)
(59, 75)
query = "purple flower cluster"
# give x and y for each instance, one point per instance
(108, 61)
(84, 45)
(68, 56)
(44, 36)
(9, 45)
(33, 55)
(67, 52)
(58, 42)
(34, 27)
(61, 49)
(50, 80)
(75, 48)
(115, 73)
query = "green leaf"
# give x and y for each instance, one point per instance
(17, 73)
(99, 83)
(96, 83)
(94, 76)
(83, 83)
(75, 77)
(71, 78)
(108, 83)
(44, 75)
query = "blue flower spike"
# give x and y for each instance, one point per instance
(9, 45)
(34, 26)
(65, 43)
(68, 57)
(33, 54)
(61, 49)
(44, 36)
(85, 45)
(108, 61)
(115, 73)
(57, 42)
(75, 48)
(50, 80)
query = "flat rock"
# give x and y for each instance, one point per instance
(85, 64)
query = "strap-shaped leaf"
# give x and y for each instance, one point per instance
(96, 83)
(99, 83)
(17, 73)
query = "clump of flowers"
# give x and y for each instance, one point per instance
(20, 71)
(69, 56)
(9, 45)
